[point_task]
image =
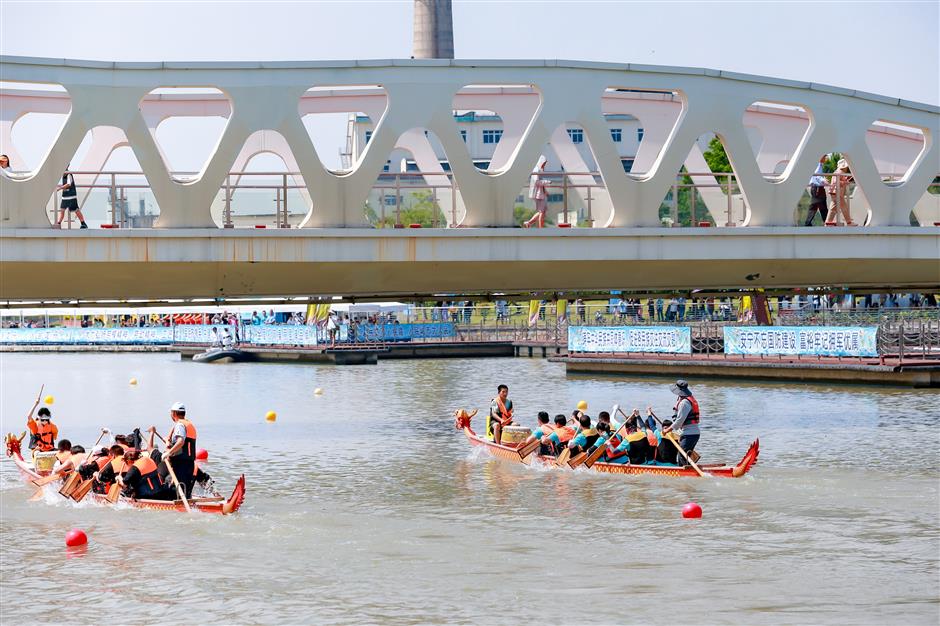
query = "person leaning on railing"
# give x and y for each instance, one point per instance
(817, 194)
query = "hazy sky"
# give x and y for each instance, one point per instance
(890, 48)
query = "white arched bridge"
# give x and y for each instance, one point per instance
(773, 132)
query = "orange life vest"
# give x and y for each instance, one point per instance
(565, 433)
(148, 472)
(504, 413)
(45, 436)
(188, 451)
(543, 430)
(119, 466)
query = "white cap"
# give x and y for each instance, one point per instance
(178, 406)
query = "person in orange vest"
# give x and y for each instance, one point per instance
(68, 457)
(142, 479)
(43, 432)
(543, 429)
(181, 450)
(108, 474)
(559, 437)
(500, 414)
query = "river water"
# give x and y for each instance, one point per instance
(365, 505)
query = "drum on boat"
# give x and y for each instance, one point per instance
(44, 461)
(515, 434)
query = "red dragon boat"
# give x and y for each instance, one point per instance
(510, 452)
(205, 505)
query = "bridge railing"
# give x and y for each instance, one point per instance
(433, 199)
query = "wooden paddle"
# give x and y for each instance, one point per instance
(529, 448)
(70, 484)
(578, 460)
(114, 492)
(82, 490)
(169, 467)
(676, 444)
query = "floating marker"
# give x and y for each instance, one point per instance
(48, 399)
(318, 392)
(75, 537)
(691, 511)
(270, 416)
(203, 455)
(582, 405)
(133, 381)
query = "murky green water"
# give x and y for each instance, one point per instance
(364, 505)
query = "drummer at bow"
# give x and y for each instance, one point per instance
(43, 432)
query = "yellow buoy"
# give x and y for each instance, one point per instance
(318, 392)
(49, 400)
(133, 381)
(270, 416)
(582, 405)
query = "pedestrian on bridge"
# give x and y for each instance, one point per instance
(69, 200)
(538, 192)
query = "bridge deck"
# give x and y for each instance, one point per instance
(193, 263)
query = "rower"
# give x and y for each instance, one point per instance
(585, 437)
(64, 451)
(75, 457)
(603, 434)
(201, 477)
(558, 438)
(142, 480)
(500, 414)
(43, 432)
(544, 428)
(107, 475)
(181, 450)
(666, 452)
(99, 458)
(685, 417)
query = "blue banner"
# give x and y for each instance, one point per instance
(377, 333)
(802, 340)
(262, 335)
(153, 335)
(668, 339)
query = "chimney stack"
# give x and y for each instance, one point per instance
(433, 30)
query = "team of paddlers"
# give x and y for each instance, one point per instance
(636, 441)
(129, 466)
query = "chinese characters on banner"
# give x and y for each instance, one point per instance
(802, 340)
(667, 339)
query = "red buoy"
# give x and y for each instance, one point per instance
(691, 511)
(75, 537)
(202, 454)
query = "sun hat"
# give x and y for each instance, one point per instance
(681, 388)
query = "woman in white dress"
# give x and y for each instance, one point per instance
(538, 192)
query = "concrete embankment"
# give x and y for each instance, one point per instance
(891, 371)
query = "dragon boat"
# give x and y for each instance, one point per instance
(509, 451)
(218, 505)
